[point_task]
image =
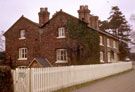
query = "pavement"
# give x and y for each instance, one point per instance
(121, 83)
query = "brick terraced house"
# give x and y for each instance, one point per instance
(47, 40)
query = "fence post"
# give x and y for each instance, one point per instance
(32, 82)
(29, 79)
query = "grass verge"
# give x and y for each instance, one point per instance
(74, 87)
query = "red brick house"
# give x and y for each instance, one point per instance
(26, 40)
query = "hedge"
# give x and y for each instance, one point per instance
(6, 80)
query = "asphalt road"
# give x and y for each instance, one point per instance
(121, 83)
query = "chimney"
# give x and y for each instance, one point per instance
(43, 16)
(94, 22)
(84, 14)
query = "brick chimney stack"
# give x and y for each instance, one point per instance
(94, 22)
(43, 16)
(84, 13)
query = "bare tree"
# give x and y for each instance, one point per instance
(1, 41)
(132, 36)
(132, 18)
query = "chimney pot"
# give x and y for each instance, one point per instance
(86, 6)
(81, 7)
(46, 9)
(61, 10)
(43, 9)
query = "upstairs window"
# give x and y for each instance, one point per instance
(61, 56)
(114, 44)
(108, 42)
(101, 40)
(61, 32)
(22, 34)
(23, 53)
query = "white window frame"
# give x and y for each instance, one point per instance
(109, 57)
(101, 40)
(101, 56)
(115, 57)
(114, 44)
(61, 32)
(22, 35)
(59, 56)
(108, 42)
(23, 52)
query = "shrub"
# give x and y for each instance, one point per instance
(2, 56)
(6, 81)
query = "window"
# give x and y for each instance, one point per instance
(101, 56)
(114, 44)
(109, 57)
(22, 34)
(22, 53)
(61, 56)
(108, 42)
(115, 57)
(101, 40)
(61, 32)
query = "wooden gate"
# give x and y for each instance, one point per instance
(21, 79)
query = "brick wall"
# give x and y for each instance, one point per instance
(13, 43)
(43, 43)
(107, 49)
(50, 43)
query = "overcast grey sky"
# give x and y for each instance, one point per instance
(11, 10)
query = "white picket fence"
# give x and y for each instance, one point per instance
(49, 79)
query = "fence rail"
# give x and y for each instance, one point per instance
(49, 79)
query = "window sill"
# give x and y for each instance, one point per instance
(22, 67)
(101, 44)
(101, 61)
(61, 61)
(109, 61)
(22, 38)
(114, 47)
(61, 37)
(22, 58)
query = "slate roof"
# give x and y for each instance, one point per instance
(42, 61)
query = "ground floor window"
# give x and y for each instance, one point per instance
(23, 53)
(109, 57)
(101, 56)
(61, 56)
(115, 57)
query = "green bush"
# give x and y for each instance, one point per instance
(6, 80)
(2, 56)
(124, 51)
